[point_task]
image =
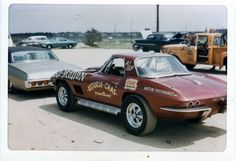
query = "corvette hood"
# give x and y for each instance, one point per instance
(195, 86)
(44, 69)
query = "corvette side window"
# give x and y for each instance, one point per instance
(115, 67)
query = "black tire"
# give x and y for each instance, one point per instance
(70, 46)
(11, 88)
(65, 98)
(189, 66)
(140, 123)
(49, 46)
(225, 64)
(136, 47)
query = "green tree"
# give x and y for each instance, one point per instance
(92, 36)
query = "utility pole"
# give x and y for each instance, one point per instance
(157, 25)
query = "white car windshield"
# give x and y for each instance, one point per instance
(32, 56)
(160, 66)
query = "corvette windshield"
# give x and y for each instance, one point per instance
(32, 56)
(160, 66)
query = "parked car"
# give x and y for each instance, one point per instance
(32, 41)
(141, 88)
(30, 68)
(155, 41)
(203, 48)
(10, 42)
(59, 42)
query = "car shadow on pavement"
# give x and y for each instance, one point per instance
(24, 96)
(168, 135)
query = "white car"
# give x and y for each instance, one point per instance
(31, 68)
(10, 42)
(32, 41)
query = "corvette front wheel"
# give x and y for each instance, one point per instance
(137, 116)
(64, 96)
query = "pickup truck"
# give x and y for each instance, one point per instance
(155, 41)
(203, 48)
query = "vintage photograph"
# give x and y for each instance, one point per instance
(105, 77)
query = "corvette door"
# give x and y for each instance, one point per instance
(107, 85)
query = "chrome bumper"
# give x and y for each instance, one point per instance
(197, 109)
(206, 110)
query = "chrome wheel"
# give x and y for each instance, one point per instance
(134, 115)
(62, 96)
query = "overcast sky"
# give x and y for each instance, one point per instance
(110, 18)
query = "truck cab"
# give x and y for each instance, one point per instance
(203, 48)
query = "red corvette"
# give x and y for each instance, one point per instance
(142, 87)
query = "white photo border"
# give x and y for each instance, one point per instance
(14, 155)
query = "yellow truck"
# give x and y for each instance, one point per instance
(203, 48)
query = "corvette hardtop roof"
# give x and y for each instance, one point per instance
(135, 55)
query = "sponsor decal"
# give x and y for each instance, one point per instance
(129, 66)
(105, 86)
(156, 90)
(103, 94)
(69, 74)
(131, 84)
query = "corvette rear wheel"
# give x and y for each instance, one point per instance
(64, 97)
(137, 116)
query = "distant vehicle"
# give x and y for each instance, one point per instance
(30, 68)
(10, 42)
(59, 42)
(32, 41)
(155, 41)
(141, 88)
(145, 33)
(204, 48)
